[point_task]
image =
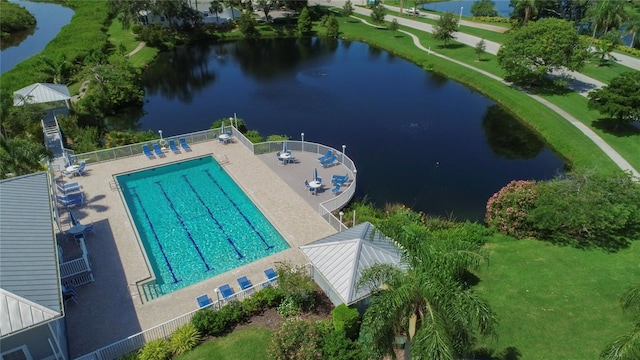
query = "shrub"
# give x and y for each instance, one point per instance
(298, 287)
(337, 346)
(204, 321)
(253, 136)
(184, 339)
(288, 307)
(507, 210)
(296, 339)
(346, 320)
(155, 350)
(266, 298)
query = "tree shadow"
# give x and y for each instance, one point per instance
(613, 127)
(509, 353)
(454, 46)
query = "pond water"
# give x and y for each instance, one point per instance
(417, 138)
(502, 6)
(51, 18)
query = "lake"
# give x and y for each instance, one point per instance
(51, 18)
(502, 6)
(417, 138)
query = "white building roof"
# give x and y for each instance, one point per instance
(19, 313)
(342, 257)
(40, 93)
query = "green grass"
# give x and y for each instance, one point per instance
(118, 35)
(557, 302)
(604, 73)
(247, 343)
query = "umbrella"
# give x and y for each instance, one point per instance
(284, 147)
(74, 221)
(222, 130)
(315, 174)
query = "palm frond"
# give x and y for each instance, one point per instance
(626, 347)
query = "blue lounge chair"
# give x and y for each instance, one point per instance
(68, 188)
(336, 190)
(157, 150)
(80, 169)
(244, 283)
(75, 199)
(203, 301)
(329, 162)
(271, 275)
(147, 152)
(325, 156)
(226, 291)
(185, 146)
(173, 147)
(339, 179)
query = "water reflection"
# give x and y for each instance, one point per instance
(508, 137)
(16, 39)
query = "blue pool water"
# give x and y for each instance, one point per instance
(195, 222)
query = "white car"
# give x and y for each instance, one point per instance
(413, 11)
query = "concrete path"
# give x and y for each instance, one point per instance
(606, 148)
(138, 48)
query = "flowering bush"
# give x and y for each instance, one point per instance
(508, 209)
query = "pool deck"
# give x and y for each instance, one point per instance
(110, 308)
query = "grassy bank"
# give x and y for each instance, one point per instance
(14, 18)
(247, 343)
(563, 137)
(556, 302)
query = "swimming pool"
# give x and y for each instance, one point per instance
(195, 222)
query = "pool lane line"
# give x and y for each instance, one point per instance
(166, 259)
(239, 211)
(184, 226)
(240, 256)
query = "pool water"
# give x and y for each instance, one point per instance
(194, 222)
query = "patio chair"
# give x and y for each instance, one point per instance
(147, 152)
(271, 275)
(329, 162)
(203, 301)
(226, 291)
(280, 160)
(339, 179)
(75, 199)
(336, 189)
(68, 188)
(158, 151)
(325, 156)
(244, 283)
(309, 188)
(185, 146)
(173, 147)
(81, 169)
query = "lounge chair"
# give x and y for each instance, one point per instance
(80, 169)
(68, 188)
(203, 301)
(226, 291)
(271, 275)
(244, 283)
(147, 152)
(185, 146)
(75, 199)
(339, 180)
(158, 151)
(329, 162)
(173, 147)
(336, 189)
(325, 156)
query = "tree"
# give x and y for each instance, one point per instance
(608, 42)
(378, 14)
(56, 70)
(620, 99)
(347, 9)
(247, 25)
(483, 8)
(216, 7)
(266, 7)
(606, 14)
(394, 26)
(427, 300)
(304, 22)
(536, 50)
(633, 26)
(19, 156)
(481, 47)
(627, 347)
(447, 25)
(524, 10)
(333, 29)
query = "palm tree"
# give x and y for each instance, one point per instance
(606, 14)
(428, 300)
(55, 70)
(216, 7)
(530, 9)
(20, 156)
(627, 347)
(633, 26)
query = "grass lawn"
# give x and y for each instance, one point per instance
(246, 343)
(118, 35)
(557, 302)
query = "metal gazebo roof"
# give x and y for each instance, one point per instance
(41, 93)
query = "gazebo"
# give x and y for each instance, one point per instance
(41, 93)
(340, 259)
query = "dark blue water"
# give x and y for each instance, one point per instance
(417, 138)
(502, 6)
(51, 18)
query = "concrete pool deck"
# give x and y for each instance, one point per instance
(110, 309)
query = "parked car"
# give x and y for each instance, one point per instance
(413, 11)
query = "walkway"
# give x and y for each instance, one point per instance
(608, 150)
